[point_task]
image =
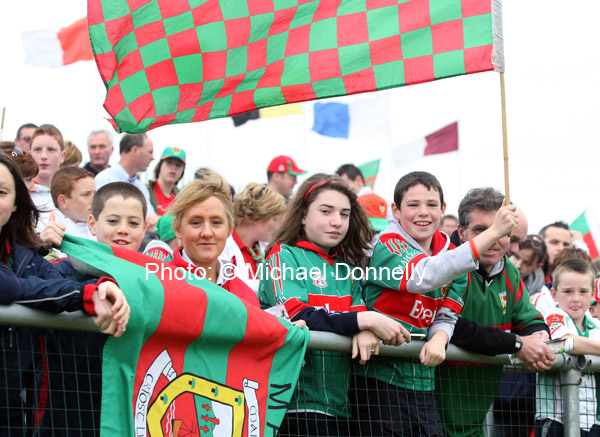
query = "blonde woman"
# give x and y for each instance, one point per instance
(203, 222)
(258, 211)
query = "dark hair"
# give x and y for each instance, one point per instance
(484, 199)
(536, 243)
(25, 126)
(159, 165)
(357, 241)
(20, 227)
(414, 178)
(575, 265)
(129, 141)
(558, 224)
(114, 189)
(351, 171)
(64, 180)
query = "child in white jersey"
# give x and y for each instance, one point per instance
(573, 292)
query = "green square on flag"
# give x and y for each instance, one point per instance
(135, 86)
(237, 61)
(383, 22)
(477, 31)
(259, 26)
(417, 43)
(166, 99)
(188, 68)
(323, 35)
(322, 87)
(354, 58)
(146, 14)
(178, 23)
(296, 70)
(213, 37)
(98, 34)
(448, 63)
(442, 11)
(155, 52)
(389, 74)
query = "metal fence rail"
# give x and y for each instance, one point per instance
(57, 392)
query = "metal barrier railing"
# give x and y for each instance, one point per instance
(66, 383)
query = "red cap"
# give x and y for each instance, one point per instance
(376, 208)
(284, 164)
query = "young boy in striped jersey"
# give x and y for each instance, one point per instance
(425, 295)
(573, 292)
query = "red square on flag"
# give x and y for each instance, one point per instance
(130, 64)
(149, 33)
(190, 94)
(117, 29)
(447, 37)
(162, 74)
(242, 102)
(385, 50)
(230, 85)
(95, 13)
(298, 39)
(413, 15)
(281, 22)
(360, 81)
(203, 111)
(107, 63)
(376, 4)
(326, 9)
(115, 102)
(171, 8)
(208, 12)
(257, 7)
(294, 93)
(143, 107)
(257, 54)
(417, 70)
(238, 32)
(324, 64)
(214, 65)
(352, 29)
(272, 75)
(183, 43)
(135, 4)
(478, 59)
(161, 120)
(471, 8)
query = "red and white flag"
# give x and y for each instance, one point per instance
(588, 226)
(441, 141)
(58, 47)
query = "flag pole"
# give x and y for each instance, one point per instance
(504, 139)
(2, 123)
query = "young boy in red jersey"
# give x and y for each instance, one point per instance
(424, 293)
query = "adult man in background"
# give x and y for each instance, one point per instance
(100, 148)
(282, 174)
(497, 317)
(24, 133)
(557, 237)
(137, 152)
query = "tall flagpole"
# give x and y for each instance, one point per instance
(2, 123)
(504, 139)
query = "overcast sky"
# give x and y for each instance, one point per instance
(551, 53)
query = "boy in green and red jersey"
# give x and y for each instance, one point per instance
(425, 295)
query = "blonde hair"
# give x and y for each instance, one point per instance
(197, 192)
(257, 203)
(73, 155)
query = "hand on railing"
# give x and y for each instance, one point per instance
(365, 344)
(536, 353)
(433, 352)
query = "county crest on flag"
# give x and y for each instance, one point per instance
(195, 359)
(181, 61)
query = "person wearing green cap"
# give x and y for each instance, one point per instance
(167, 173)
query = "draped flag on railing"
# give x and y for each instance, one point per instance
(194, 358)
(181, 61)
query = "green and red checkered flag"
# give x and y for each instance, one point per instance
(588, 226)
(181, 61)
(194, 358)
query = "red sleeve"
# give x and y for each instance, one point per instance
(88, 292)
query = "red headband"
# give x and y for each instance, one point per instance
(318, 184)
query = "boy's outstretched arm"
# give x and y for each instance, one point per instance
(110, 308)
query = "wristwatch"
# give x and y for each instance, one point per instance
(518, 343)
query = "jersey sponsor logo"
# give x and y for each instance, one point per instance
(319, 281)
(553, 329)
(555, 319)
(421, 312)
(502, 297)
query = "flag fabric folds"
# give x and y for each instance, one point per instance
(180, 61)
(369, 171)
(55, 48)
(443, 140)
(194, 356)
(588, 226)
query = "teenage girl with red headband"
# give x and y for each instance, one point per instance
(327, 233)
